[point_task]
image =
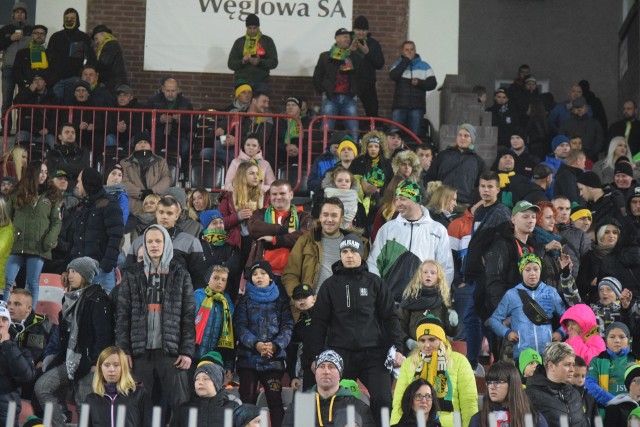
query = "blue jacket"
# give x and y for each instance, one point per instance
(319, 167)
(531, 335)
(213, 328)
(255, 322)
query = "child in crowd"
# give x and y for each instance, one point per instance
(607, 309)
(531, 305)
(251, 152)
(263, 324)
(580, 324)
(528, 362)
(578, 381)
(246, 415)
(214, 314)
(304, 298)
(426, 293)
(341, 183)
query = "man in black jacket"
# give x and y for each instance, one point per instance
(36, 125)
(354, 315)
(155, 319)
(27, 62)
(111, 65)
(373, 59)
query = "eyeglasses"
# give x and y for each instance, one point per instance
(418, 397)
(495, 383)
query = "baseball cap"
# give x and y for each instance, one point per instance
(524, 205)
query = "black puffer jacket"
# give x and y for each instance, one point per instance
(112, 69)
(70, 158)
(210, 409)
(98, 230)
(15, 369)
(178, 312)
(103, 409)
(32, 335)
(553, 400)
(458, 169)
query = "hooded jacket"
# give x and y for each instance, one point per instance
(590, 343)
(320, 166)
(401, 245)
(458, 169)
(554, 400)
(70, 158)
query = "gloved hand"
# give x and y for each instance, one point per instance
(453, 318)
(411, 344)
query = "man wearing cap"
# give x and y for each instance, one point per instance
(503, 117)
(336, 79)
(372, 60)
(32, 58)
(618, 409)
(629, 126)
(13, 37)
(36, 125)
(112, 69)
(123, 126)
(331, 397)
(394, 142)
(413, 78)
(354, 315)
(326, 161)
(459, 166)
(587, 127)
(144, 173)
(600, 204)
(84, 330)
(536, 190)
(67, 155)
(567, 176)
(156, 318)
(414, 237)
(253, 56)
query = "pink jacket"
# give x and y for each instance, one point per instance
(267, 172)
(587, 348)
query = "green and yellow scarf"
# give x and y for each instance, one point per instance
(293, 131)
(434, 370)
(341, 55)
(215, 236)
(38, 56)
(251, 44)
(107, 38)
(294, 220)
(202, 318)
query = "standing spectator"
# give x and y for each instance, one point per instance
(503, 117)
(618, 411)
(538, 131)
(85, 328)
(618, 149)
(263, 325)
(628, 127)
(253, 56)
(111, 67)
(600, 204)
(413, 78)
(339, 324)
(588, 128)
(568, 175)
(67, 51)
(114, 388)
(597, 108)
(7, 184)
(562, 110)
(581, 327)
(155, 319)
(198, 201)
(458, 165)
(13, 37)
(304, 298)
(35, 212)
(6, 242)
(373, 59)
(525, 160)
(116, 189)
(336, 79)
(31, 59)
(67, 155)
(16, 369)
(143, 172)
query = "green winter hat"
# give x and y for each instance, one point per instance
(527, 356)
(410, 190)
(352, 386)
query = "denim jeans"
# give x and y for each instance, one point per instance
(106, 280)
(34, 267)
(461, 296)
(25, 136)
(223, 155)
(409, 118)
(341, 105)
(473, 329)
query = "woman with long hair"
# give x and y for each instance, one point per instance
(608, 232)
(113, 386)
(450, 372)
(14, 163)
(618, 148)
(419, 395)
(198, 201)
(506, 399)
(442, 204)
(35, 212)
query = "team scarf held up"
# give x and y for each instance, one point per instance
(252, 45)
(339, 54)
(294, 219)
(434, 369)
(38, 56)
(107, 38)
(226, 339)
(215, 236)
(293, 131)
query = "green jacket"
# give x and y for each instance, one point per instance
(253, 73)
(35, 226)
(6, 243)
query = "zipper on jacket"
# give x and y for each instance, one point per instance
(348, 298)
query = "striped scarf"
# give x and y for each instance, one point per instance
(251, 44)
(294, 220)
(293, 131)
(339, 54)
(202, 318)
(38, 56)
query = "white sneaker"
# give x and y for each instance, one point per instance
(479, 371)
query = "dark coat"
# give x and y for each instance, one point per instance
(178, 312)
(553, 400)
(405, 94)
(33, 120)
(98, 230)
(34, 336)
(22, 71)
(324, 75)
(103, 409)
(458, 169)
(16, 369)
(112, 70)
(67, 52)
(159, 102)
(566, 183)
(210, 410)
(371, 62)
(70, 158)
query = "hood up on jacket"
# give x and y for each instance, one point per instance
(583, 315)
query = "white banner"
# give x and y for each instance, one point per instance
(197, 35)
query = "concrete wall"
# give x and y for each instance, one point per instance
(563, 41)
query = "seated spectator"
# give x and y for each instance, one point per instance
(559, 150)
(116, 188)
(144, 173)
(187, 220)
(73, 349)
(589, 129)
(124, 125)
(575, 142)
(246, 415)
(241, 100)
(114, 388)
(67, 155)
(146, 215)
(7, 184)
(293, 135)
(420, 395)
(324, 162)
(504, 166)
(198, 201)
(394, 143)
(111, 66)
(550, 391)
(37, 125)
(425, 154)
(536, 190)
(30, 331)
(210, 398)
(251, 151)
(623, 182)
(581, 327)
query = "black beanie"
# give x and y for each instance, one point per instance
(259, 264)
(361, 23)
(623, 166)
(91, 180)
(252, 21)
(590, 179)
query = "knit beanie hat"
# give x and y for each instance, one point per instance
(526, 259)
(331, 356)
(347, 143)
(617, 325)
(410, 190)
(578, 212)
(623, 166)
(85, 266)
(259, 264)
(633, 371)
(360, 23)
(634, 413)
(206, 217)
(527, 356)
(241, 86)
(471, 129)
(91, 180)
(33, 421)
(211, 365)
(557, 140)
(252, 20)
(179, 194)
(431, 325)
(244, 413)
(340, 418)
(117, 166)
(613, 283)
(354, 242)
(590, 179)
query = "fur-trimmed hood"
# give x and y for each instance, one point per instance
(404, 156)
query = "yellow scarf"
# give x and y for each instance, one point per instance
(38, 56)
(226, 335)
(107, 38)
(251, 44)
(504, 178)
